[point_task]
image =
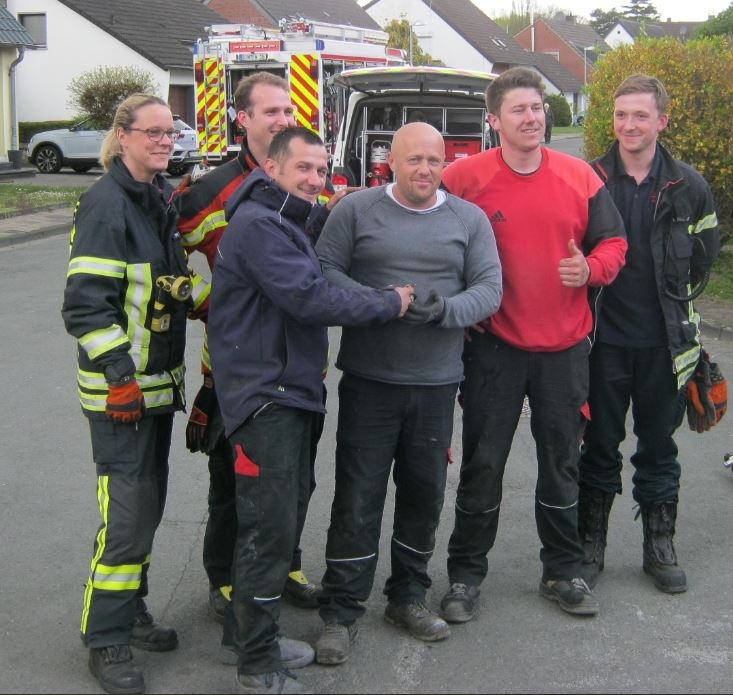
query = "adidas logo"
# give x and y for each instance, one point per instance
(498, 216)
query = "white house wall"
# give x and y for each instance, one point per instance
(437, 38)
(74, 46)
(618, 36)
(7, 55)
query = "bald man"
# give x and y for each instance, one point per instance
(397, 393)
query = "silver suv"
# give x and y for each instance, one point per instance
(79, 146)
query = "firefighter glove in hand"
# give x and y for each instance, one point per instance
(430, 311)
(707, 395)
(203, 408)
(125, 401)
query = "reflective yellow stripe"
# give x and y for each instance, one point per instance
(117, 578)
(137, 297)
(92, 401)
(101, 542)
(205, 355)
(201, 290)
(91, 380)
(106, 267)
(209, 224)
(707, 222)
(157, 388)
(103, 340)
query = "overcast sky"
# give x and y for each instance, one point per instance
(677, 10)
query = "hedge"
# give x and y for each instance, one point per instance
(698, 76)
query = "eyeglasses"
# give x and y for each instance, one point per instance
(156, 134)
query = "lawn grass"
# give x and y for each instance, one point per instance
(721, 276)
(567, 129)
(22, 198)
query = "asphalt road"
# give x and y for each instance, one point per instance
(642, 642)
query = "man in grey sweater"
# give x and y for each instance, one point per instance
(397, 394)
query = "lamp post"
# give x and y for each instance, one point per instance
(585, 73)
(585, 64)
(409, 50)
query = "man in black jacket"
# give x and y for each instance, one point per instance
(647, 336)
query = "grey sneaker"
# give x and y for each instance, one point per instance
(334, 645)
(273, 682)
(418, 619)
(574, 595)
(293, 653)
(459, 603)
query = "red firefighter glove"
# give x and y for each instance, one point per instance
(707, 395)
(125, 401)
(198, 422)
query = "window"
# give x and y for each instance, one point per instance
(35, 25)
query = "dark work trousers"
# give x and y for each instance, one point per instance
(644, 377)
(272, 463)
(221, 526)
(497, 378)
(379, 423)
(132, 479)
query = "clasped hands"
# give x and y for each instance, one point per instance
(414, 311)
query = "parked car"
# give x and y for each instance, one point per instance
(78, 147)
(186, 151)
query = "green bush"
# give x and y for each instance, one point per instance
(697, 76)
(560, 109)
(27, 129)
(98, 92)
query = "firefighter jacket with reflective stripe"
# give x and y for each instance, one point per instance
(685, 243)
(202, 220)
(124, 238)
(201, 205)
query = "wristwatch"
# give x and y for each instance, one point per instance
(122, 380)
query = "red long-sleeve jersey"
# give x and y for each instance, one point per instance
(534, 217)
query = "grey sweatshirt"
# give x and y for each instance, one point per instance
(371, 240)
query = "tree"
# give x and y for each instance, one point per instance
(696, 75)
(641, 11)
(98, 92)
(603, 21)
(521, 13)
(399, 37)
(560, 109)
(720, 25)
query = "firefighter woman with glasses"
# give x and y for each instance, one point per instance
(128, 294)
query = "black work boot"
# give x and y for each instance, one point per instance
(115, 669)
(594, 507)
(660, 558)
(300, 592)
(148, 635)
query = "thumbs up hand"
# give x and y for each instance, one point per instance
(574, 271)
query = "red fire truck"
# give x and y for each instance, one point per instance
(305, 53)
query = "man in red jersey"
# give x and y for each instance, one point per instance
(557, 232)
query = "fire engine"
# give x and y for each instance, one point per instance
(305, 53)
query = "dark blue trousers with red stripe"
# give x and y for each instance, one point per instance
(272, 470)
